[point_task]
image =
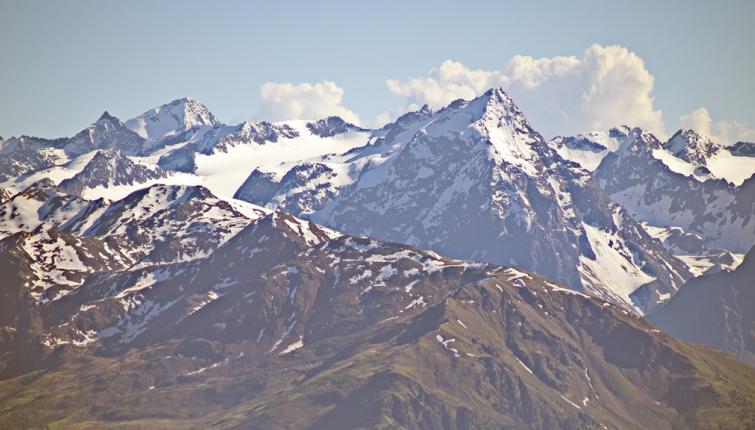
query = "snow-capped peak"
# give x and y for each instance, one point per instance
(107, 132)
(499, 109)
(498, 96)
(639, 140)
(407, 119)
(619, 131)
(498, 120)
(589, 149)
(331, 126)
(106, 123)
(107, 118)
(171, 118)
(691, 146)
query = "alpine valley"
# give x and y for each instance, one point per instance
(452, 269)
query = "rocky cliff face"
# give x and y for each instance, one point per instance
(692, 147)
(110, 168)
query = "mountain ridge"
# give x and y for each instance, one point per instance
(524, 186)
(369, 278)
(166, 120)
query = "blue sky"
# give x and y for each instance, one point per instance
(64, 62)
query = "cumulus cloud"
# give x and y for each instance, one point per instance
(449, 81)
(283, 101)
(722, 131)
(561, 95)
(605, 87)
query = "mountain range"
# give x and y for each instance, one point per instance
(452, 269)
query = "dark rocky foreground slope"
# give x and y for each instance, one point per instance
(286, 324)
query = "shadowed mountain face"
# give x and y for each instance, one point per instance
(287, 324)
(108, 132)
(743, 149)
(19, 156)
(716, 310)
(109, 168)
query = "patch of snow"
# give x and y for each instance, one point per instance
(611, 267)
(523, 365)
(419, 301)
(571, 403)
(225, 172)
(293, 347)
(732, 168)
(445, 343)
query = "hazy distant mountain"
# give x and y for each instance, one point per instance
(171, 118)
(589, 149)
(743, 149)
(646, 184)
(19, 156)
(211, 139)
(108, 132)
(716, 310)
(692, 147)
(687, 153)
(26, 155)
(109, 168)
(224, 155)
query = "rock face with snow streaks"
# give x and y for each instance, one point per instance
(474, 180)
(108, 132)
(109, 168)
(177, 116)
(641, 178)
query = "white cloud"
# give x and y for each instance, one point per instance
(449, 81)
(284, 101)
(725, 132)
(604, 87)
(607, 86)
